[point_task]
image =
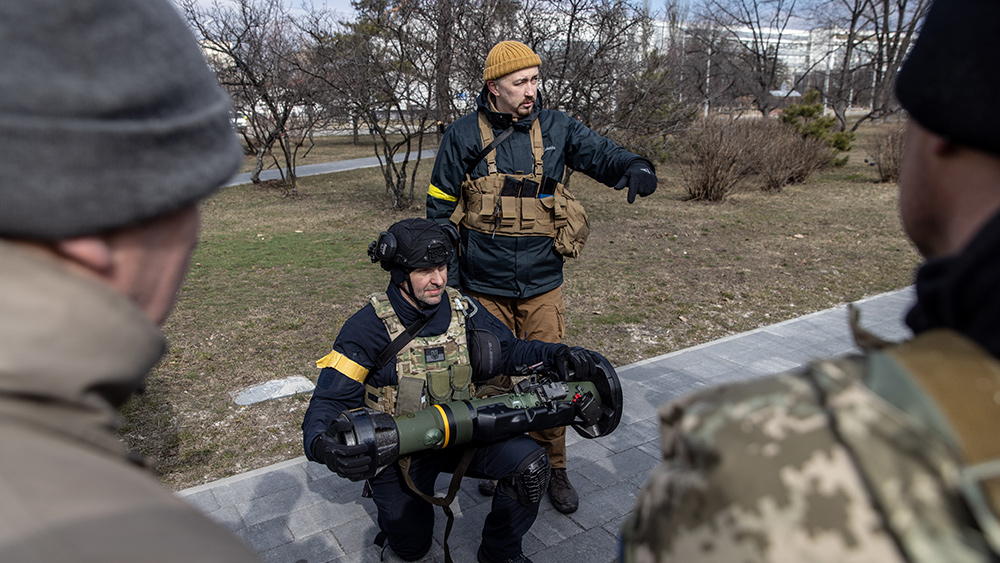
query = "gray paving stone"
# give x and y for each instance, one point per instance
(631, 435)
(636, 409)
(322, 516)
(586, 451)
(229, 517)
(276, 505)
(551, 531)
(640, 373)
(203, 500)
(619, 466)
(595, 545)
(531, 545)
(243, 490)
(356, 535)
(266, 535)
(705, 366)
(318, 548)
(768, 366)
(315, 470)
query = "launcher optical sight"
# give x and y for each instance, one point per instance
(593, 407)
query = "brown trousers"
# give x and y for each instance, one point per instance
(535, 318)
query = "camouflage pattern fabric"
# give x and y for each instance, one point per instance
(806, 466)
(440, 362)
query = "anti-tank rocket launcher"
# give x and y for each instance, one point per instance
(592, 406)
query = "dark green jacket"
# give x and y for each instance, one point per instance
(516, 266)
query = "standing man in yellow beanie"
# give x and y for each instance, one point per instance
(498, 176)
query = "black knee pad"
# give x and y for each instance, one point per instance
(530, 480)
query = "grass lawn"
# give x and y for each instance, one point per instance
(275, 277)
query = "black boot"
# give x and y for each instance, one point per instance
(561, 492)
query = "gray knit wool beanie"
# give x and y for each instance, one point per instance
(109, 116)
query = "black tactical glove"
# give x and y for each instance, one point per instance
(573, 359)
(639, 178)
(350, 462)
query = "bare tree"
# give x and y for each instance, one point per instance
(873, 37)
(710, 67)
(648, 110)
(757, 29)
(894, 24)
(253, 46)
(383, 66)
(588, 48)
(478, 26)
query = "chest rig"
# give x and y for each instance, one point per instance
(430, 369)
(520, 204)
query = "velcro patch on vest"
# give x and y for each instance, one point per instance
(435, 354)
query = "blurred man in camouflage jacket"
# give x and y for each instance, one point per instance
(893, 454)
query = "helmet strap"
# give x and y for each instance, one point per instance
(407, 288)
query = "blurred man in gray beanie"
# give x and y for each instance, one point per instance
(891, 454)
(112, 128)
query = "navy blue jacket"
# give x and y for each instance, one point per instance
(507, 266)
(364, 336)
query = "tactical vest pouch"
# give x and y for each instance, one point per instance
(439, 385)
(461, 380)
(410, 397)
(572, 229)
(381, 398)
(422, 365)
(508, 212)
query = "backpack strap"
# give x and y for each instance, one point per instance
(444, 503)
(489, 145)
(963, 382)
(537, 147)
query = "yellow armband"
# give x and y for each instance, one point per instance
(344, 365)
(437, 193)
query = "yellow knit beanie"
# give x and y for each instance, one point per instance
(509, 56)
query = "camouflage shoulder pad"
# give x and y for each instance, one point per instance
(384, 311)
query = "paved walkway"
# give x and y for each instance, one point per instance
(299, 512)
(325, 167)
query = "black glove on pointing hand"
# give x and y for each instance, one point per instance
(639, 178)
(350, 462)
(575, 359)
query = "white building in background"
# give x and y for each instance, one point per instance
(819, 51)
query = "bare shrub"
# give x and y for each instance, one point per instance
(810, 155)
(783, 156)
(885, 153)
(717, 156)
(774, 154)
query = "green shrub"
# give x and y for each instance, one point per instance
(807, 118)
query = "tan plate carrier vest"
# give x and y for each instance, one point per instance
(430, 369)
(481, 207)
